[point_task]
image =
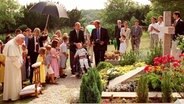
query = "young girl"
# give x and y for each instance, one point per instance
(55, 58)
(63, 56)
(41, 58)
(122, 48)
(50, 71)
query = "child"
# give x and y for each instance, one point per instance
(63, 56)
(122, 48)
(50, 71)
(41, 58)
(2, 64)
(82, 54)
(55, 58)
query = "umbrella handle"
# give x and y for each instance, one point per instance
(47, 21)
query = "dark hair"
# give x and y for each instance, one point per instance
(54, 44)
(18, 31)
(177, 13)
(123, 36)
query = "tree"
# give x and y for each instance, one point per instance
(9, 11)
(123, 10)
(91, 87)
(159, 6)
(32, 19)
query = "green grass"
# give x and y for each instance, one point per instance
(144, 45)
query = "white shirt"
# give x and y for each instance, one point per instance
(81, 52)
(177, 20)
(160, 28)
(63, 47)
(156, 26)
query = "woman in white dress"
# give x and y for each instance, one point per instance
(126, 32)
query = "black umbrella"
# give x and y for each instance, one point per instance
(49, 8)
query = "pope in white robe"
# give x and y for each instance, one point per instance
(13, 62)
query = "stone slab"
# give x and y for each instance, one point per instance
(179, 101)
(125, 77)
(133, 95)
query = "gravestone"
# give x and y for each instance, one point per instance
(168, 30)
(179, 101)
(125, 77)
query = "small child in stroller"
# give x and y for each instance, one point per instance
(82, 56)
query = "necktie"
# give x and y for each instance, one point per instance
(36, 44)
(77, 34)
(98, 34)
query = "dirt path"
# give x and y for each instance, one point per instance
(63, 93)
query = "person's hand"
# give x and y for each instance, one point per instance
(152, 28)
(101, 42)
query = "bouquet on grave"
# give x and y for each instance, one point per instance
(180, 44)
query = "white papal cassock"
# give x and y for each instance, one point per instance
(12, 77)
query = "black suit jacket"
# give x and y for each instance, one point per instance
(31, 50)
(103, 37)
(117, 31)
(73, 39)
(179, 28)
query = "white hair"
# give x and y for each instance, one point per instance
(20, 36)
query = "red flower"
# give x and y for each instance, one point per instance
(181, 55)
(176, 64)
(147, 69)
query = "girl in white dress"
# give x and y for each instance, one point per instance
(123, 46)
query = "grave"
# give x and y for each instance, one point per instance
(179, 101)
(168, 30)
(131, 74)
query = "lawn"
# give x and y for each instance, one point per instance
(144, 46)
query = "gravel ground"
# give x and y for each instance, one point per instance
(65, 92)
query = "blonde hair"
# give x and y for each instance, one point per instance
(42, 51)
(58, 31)
(37, 30)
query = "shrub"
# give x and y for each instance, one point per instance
(142, 89)
(156, 52)
(128, 58)
(166, 85)
(103, 65)
(91, 88)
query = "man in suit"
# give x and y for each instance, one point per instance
(179, 25)
(99, 38)
(75, 36)
(117, 32)
(135, 35)
(179, 30)
(33, 48)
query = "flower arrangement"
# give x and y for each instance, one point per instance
(165, 71)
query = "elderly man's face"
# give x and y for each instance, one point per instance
(20, 41)
(77, 26)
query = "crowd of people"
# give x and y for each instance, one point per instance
(26, 48)
(19, 53)
(124, 34)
